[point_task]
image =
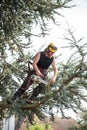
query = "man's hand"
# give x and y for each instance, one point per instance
(52, 81)
(38, 73)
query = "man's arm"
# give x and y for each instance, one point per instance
(36, 59)
(55, 72)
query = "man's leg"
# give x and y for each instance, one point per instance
(27, 82)
(17, 94)
(39, 89)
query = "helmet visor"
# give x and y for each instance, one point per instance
(53, 49)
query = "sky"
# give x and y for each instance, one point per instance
(76, 18)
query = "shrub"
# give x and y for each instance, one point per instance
(40, 127)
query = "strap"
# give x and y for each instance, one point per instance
(29, 62)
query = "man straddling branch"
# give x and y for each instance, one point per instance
(41, 63)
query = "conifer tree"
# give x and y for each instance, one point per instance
(16, 20)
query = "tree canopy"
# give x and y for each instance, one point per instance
(16, 20)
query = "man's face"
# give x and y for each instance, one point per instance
(50, 53)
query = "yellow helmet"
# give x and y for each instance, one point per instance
(52, 47)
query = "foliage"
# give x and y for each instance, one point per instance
(16, 20)
(68, 91)
(83, 122)
(40, 127)
(16, 24)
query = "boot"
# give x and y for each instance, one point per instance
(16, 96)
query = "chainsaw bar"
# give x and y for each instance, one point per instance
(38, 79)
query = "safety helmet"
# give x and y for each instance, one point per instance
(52, 47)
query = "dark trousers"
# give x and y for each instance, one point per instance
(27, 82)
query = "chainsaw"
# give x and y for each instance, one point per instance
(38, 79)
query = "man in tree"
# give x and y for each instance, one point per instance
(41, 63)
